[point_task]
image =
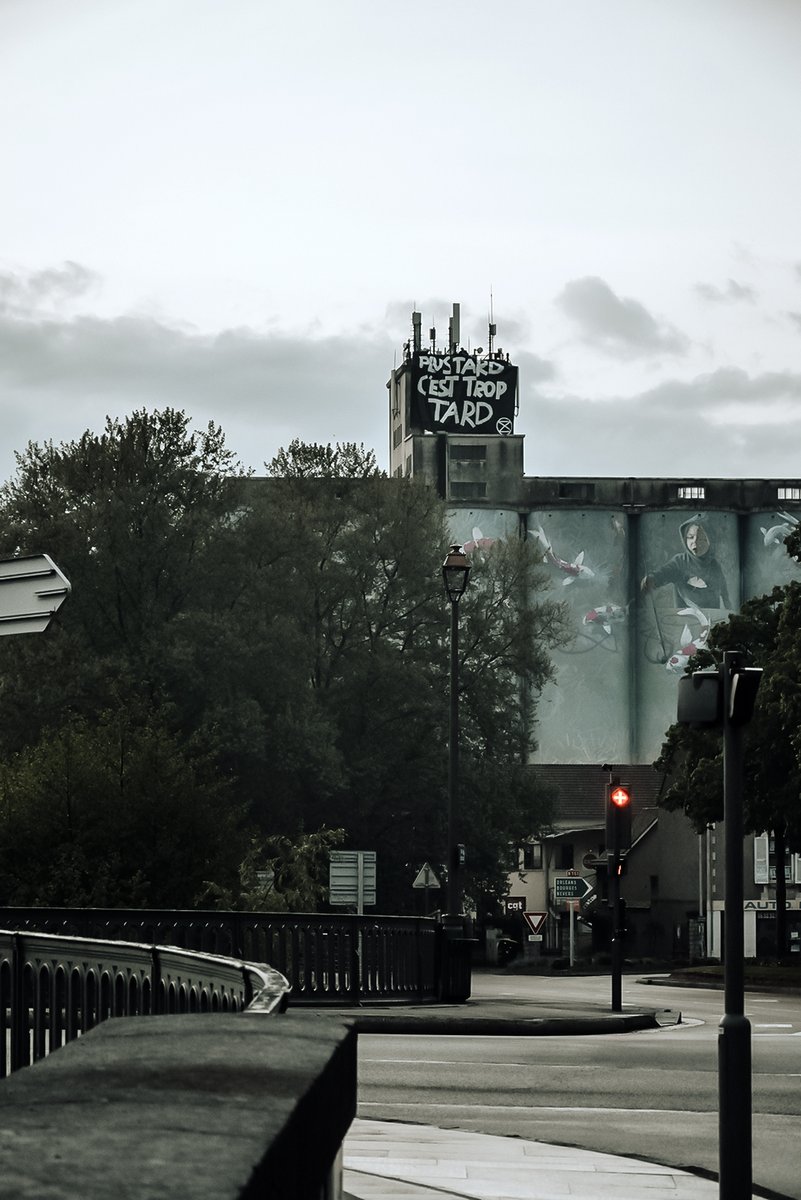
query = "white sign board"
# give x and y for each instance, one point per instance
(351, 877)
(31, 590)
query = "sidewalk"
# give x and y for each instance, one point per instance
(385, 1160)
(388, 1160)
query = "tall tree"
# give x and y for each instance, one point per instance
(768, 631)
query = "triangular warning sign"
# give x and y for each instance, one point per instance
(535, 920)
(425, 877)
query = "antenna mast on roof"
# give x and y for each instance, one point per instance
(492, 326)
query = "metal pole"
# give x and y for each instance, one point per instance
(617, 935)
(453, 766)
(734, 1032)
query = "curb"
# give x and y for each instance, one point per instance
(425, 1024)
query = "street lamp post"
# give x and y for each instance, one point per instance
(455, 573)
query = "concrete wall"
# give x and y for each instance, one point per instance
(207, 1106)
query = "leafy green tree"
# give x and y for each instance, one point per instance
(294, 627)
(282, 874)
(768, 631)
(138, 519)
(115, 812)
(368, 590)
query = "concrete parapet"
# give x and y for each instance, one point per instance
(203, 1105)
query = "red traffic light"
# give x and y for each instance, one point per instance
(620, 796)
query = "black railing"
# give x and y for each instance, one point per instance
(55, 988)
(327, 958)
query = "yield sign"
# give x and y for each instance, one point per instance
(31, 589)
(425, 877)
(535, 920)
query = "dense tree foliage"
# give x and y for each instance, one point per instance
(768, 632)
(259, 663)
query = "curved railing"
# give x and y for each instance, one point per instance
(54, 987)
(327, 958)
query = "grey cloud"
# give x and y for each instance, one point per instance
(533, 368)
(617, 324)
(733, 293)
(26, 291)
(59, 377)
(674, 429)
(795, 317)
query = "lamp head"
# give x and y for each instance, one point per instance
(455, 573)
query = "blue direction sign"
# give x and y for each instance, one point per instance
(570, 887)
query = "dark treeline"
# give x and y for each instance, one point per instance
(250, 671)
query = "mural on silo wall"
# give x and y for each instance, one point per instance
(767, 563)
(479, 528)
(583, 717)
(643, 593)
(689, 568)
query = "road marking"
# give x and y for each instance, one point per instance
(534, 1108)
(777, 1025)
(461, 1062)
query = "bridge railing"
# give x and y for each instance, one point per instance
(54, 988)
(327, 958)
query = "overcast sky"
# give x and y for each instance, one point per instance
(233, 206)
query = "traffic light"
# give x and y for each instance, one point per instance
(618, 818)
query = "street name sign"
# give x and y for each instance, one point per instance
(32, 589)
(570, 887)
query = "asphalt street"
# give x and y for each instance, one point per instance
(649, 1093)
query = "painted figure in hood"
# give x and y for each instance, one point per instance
(695, 573)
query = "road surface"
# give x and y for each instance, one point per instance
(651, 1094)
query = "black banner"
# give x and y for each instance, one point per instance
(462, 393)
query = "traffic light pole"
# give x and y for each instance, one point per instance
(734, 1031)
(618, 840)
(617, 935)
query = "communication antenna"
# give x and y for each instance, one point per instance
(454, 330)
(492, 326)
(416, 332)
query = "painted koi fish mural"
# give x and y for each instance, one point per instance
(775, 535)
(689, 645)
(573, 570)
(605, 616)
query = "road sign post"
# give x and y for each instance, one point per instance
(570, 888)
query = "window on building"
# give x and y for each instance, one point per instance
(789, 492)
(397, 436)
(577, 490)
(468, 452)
(566, 856)
(692, 491)
(532, 856)
(468, 491)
